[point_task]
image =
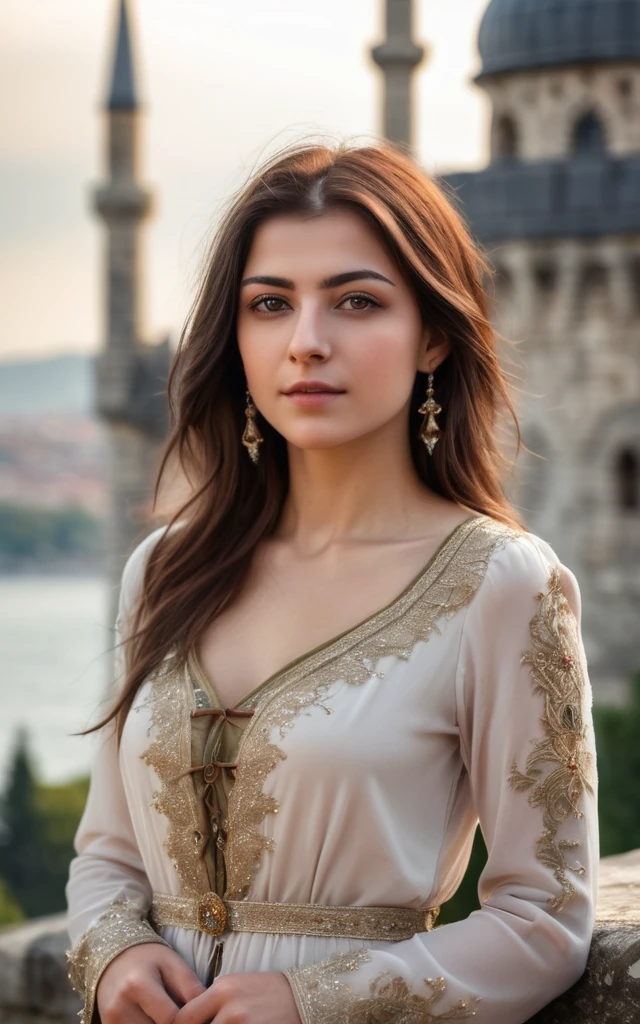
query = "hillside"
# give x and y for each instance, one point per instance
(41, 387)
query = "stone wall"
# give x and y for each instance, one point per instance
(543, 107)
(573, 307)
(33, 975)
(34, 988)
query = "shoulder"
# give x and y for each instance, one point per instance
(134, 567)
(520, 566)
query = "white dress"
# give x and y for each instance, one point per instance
(360, 778)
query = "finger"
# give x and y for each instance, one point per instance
(201, 1009)
(136, 1016)
(157, 1004)
(130, 1013)
(180, 980)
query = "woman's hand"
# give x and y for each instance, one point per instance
(146, 983)
(263, 998)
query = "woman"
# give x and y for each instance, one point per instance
(342, 652)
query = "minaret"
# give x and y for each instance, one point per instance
(398, 56)
(123, 204)
(130, 374)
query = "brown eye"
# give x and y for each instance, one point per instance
(265, 300)
(367, 303)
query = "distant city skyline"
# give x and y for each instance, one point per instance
(224, 85)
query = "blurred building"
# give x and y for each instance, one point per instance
(53, 462)
(558, 210)
(52, 447)
(131, 373)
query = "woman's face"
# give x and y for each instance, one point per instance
(323, 305)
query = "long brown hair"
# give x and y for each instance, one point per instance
(195, 571)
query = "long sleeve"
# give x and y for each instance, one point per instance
(526, 742)
(108, 892)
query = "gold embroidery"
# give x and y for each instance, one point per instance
(210, 914)
(169, 754)
(122, 926)
(449, 582)
(559, 675)
(320, 995)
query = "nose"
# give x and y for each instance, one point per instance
(309, 339)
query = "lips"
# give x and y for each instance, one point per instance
(313, 387)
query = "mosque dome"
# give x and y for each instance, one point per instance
(520, 35)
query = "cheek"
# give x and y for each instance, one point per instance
(385, 358)
(259, 349)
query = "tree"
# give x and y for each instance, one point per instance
(59, 809)
(10, 912)
(38, 824)
(20, 849)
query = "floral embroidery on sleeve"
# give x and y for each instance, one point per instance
(559, 674)
(122, 926)
(321, 996)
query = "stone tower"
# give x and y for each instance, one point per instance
(131, 375)
(558, 211)
(398, 57)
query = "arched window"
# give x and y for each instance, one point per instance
(627, 471)
(594, 290)
(506, 142)
(546, 278)
(588, 136)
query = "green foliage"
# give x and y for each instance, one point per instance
(618, 746)
(59, 809)
(10, 912)
(43, 534)
(36, 840)
(465, 899)
(20, 858)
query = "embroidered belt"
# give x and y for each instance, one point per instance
(213, 915)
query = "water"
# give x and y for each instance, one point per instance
(54, 638)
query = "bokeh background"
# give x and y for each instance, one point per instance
(542, 155)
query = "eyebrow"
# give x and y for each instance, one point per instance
(329, 282)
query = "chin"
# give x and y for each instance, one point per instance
(314, 444)
(321, 440)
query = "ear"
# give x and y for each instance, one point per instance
(434, 348)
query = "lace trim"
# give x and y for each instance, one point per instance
(558, 673)
(321, 996)
(447, 585)
(169, 754)
(122, 926)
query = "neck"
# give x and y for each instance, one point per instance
(367, 489)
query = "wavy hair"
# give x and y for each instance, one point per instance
(195, 571)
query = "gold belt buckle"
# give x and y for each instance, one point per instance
(212, 914)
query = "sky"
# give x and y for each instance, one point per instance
(224, 84)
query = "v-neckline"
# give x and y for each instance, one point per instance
(197, 671)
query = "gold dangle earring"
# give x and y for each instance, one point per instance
(251, 437)
(430, 431)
